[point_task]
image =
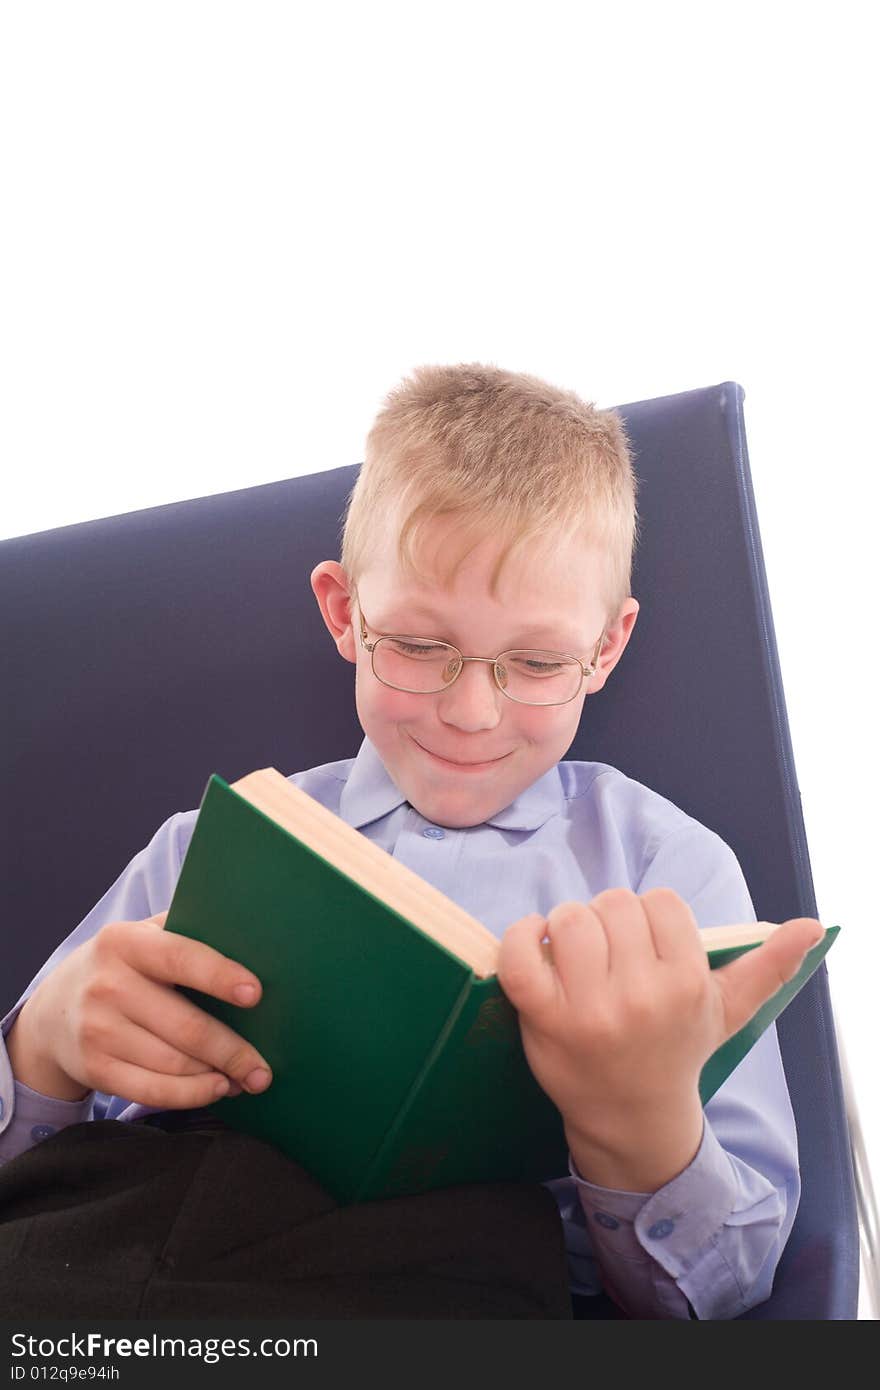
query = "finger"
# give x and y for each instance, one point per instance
(754, 977)
(141, 1047)
(163, 1092)
(579, 947)
(673, 926)
(631, 951)
(525, 968)
(178, 960)
(184, 1027)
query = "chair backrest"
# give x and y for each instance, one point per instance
(145, 651)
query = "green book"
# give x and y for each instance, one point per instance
(396, 1057)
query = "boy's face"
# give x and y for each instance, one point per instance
(461, 755)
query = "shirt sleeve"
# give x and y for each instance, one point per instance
(144, 888)
(706, 1244)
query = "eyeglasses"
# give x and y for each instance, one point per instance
(423, 666)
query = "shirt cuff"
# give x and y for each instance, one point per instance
(35, 1117)
(675, 1228)
(26, 1116)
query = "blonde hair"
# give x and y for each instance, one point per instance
(500, 453)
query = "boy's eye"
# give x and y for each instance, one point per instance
(534, 666)
(419, 648)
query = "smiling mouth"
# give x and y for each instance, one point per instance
(449, 762)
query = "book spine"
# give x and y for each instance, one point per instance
(476, 1112)
(389, 1143)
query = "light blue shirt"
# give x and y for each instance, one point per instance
(713, 1235)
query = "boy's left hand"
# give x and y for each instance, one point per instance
(619, 1016)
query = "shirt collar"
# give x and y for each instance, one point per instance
(369, 794)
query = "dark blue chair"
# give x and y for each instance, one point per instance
(145, 651)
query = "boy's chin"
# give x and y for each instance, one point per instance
(456, 801)
(450, 821)
(455, 811)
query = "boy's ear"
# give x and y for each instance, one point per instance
(330, 586)
(616, 638)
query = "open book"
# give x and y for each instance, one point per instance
(396, 1057)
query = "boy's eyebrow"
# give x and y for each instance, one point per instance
(538, 633)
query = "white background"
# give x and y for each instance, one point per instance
(229, 229)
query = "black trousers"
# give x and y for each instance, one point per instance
(158, 1220)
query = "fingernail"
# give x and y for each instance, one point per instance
(258, 1079)
(221, 1086)
(244, 994)
(234, 1089)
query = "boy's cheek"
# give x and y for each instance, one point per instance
(380, 709)
(387, 704)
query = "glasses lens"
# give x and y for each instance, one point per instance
(425, 667)
(538, 677)
(411, 664)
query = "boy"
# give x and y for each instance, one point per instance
(482, 595)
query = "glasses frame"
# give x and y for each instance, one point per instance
(587, 668)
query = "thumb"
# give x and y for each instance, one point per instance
(755, 976)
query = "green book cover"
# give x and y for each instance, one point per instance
(396, 1069)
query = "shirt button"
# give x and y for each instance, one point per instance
(610, 1223)
(661, 1229)
(434, 832)
(42, 1131)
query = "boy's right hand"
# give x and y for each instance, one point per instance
(108, 1018)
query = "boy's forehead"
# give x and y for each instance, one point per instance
(448, 557)
(547, 604)
(461, 576)
(554, 629)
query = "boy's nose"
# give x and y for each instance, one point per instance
(473, 701)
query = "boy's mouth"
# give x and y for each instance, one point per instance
(460, 766)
